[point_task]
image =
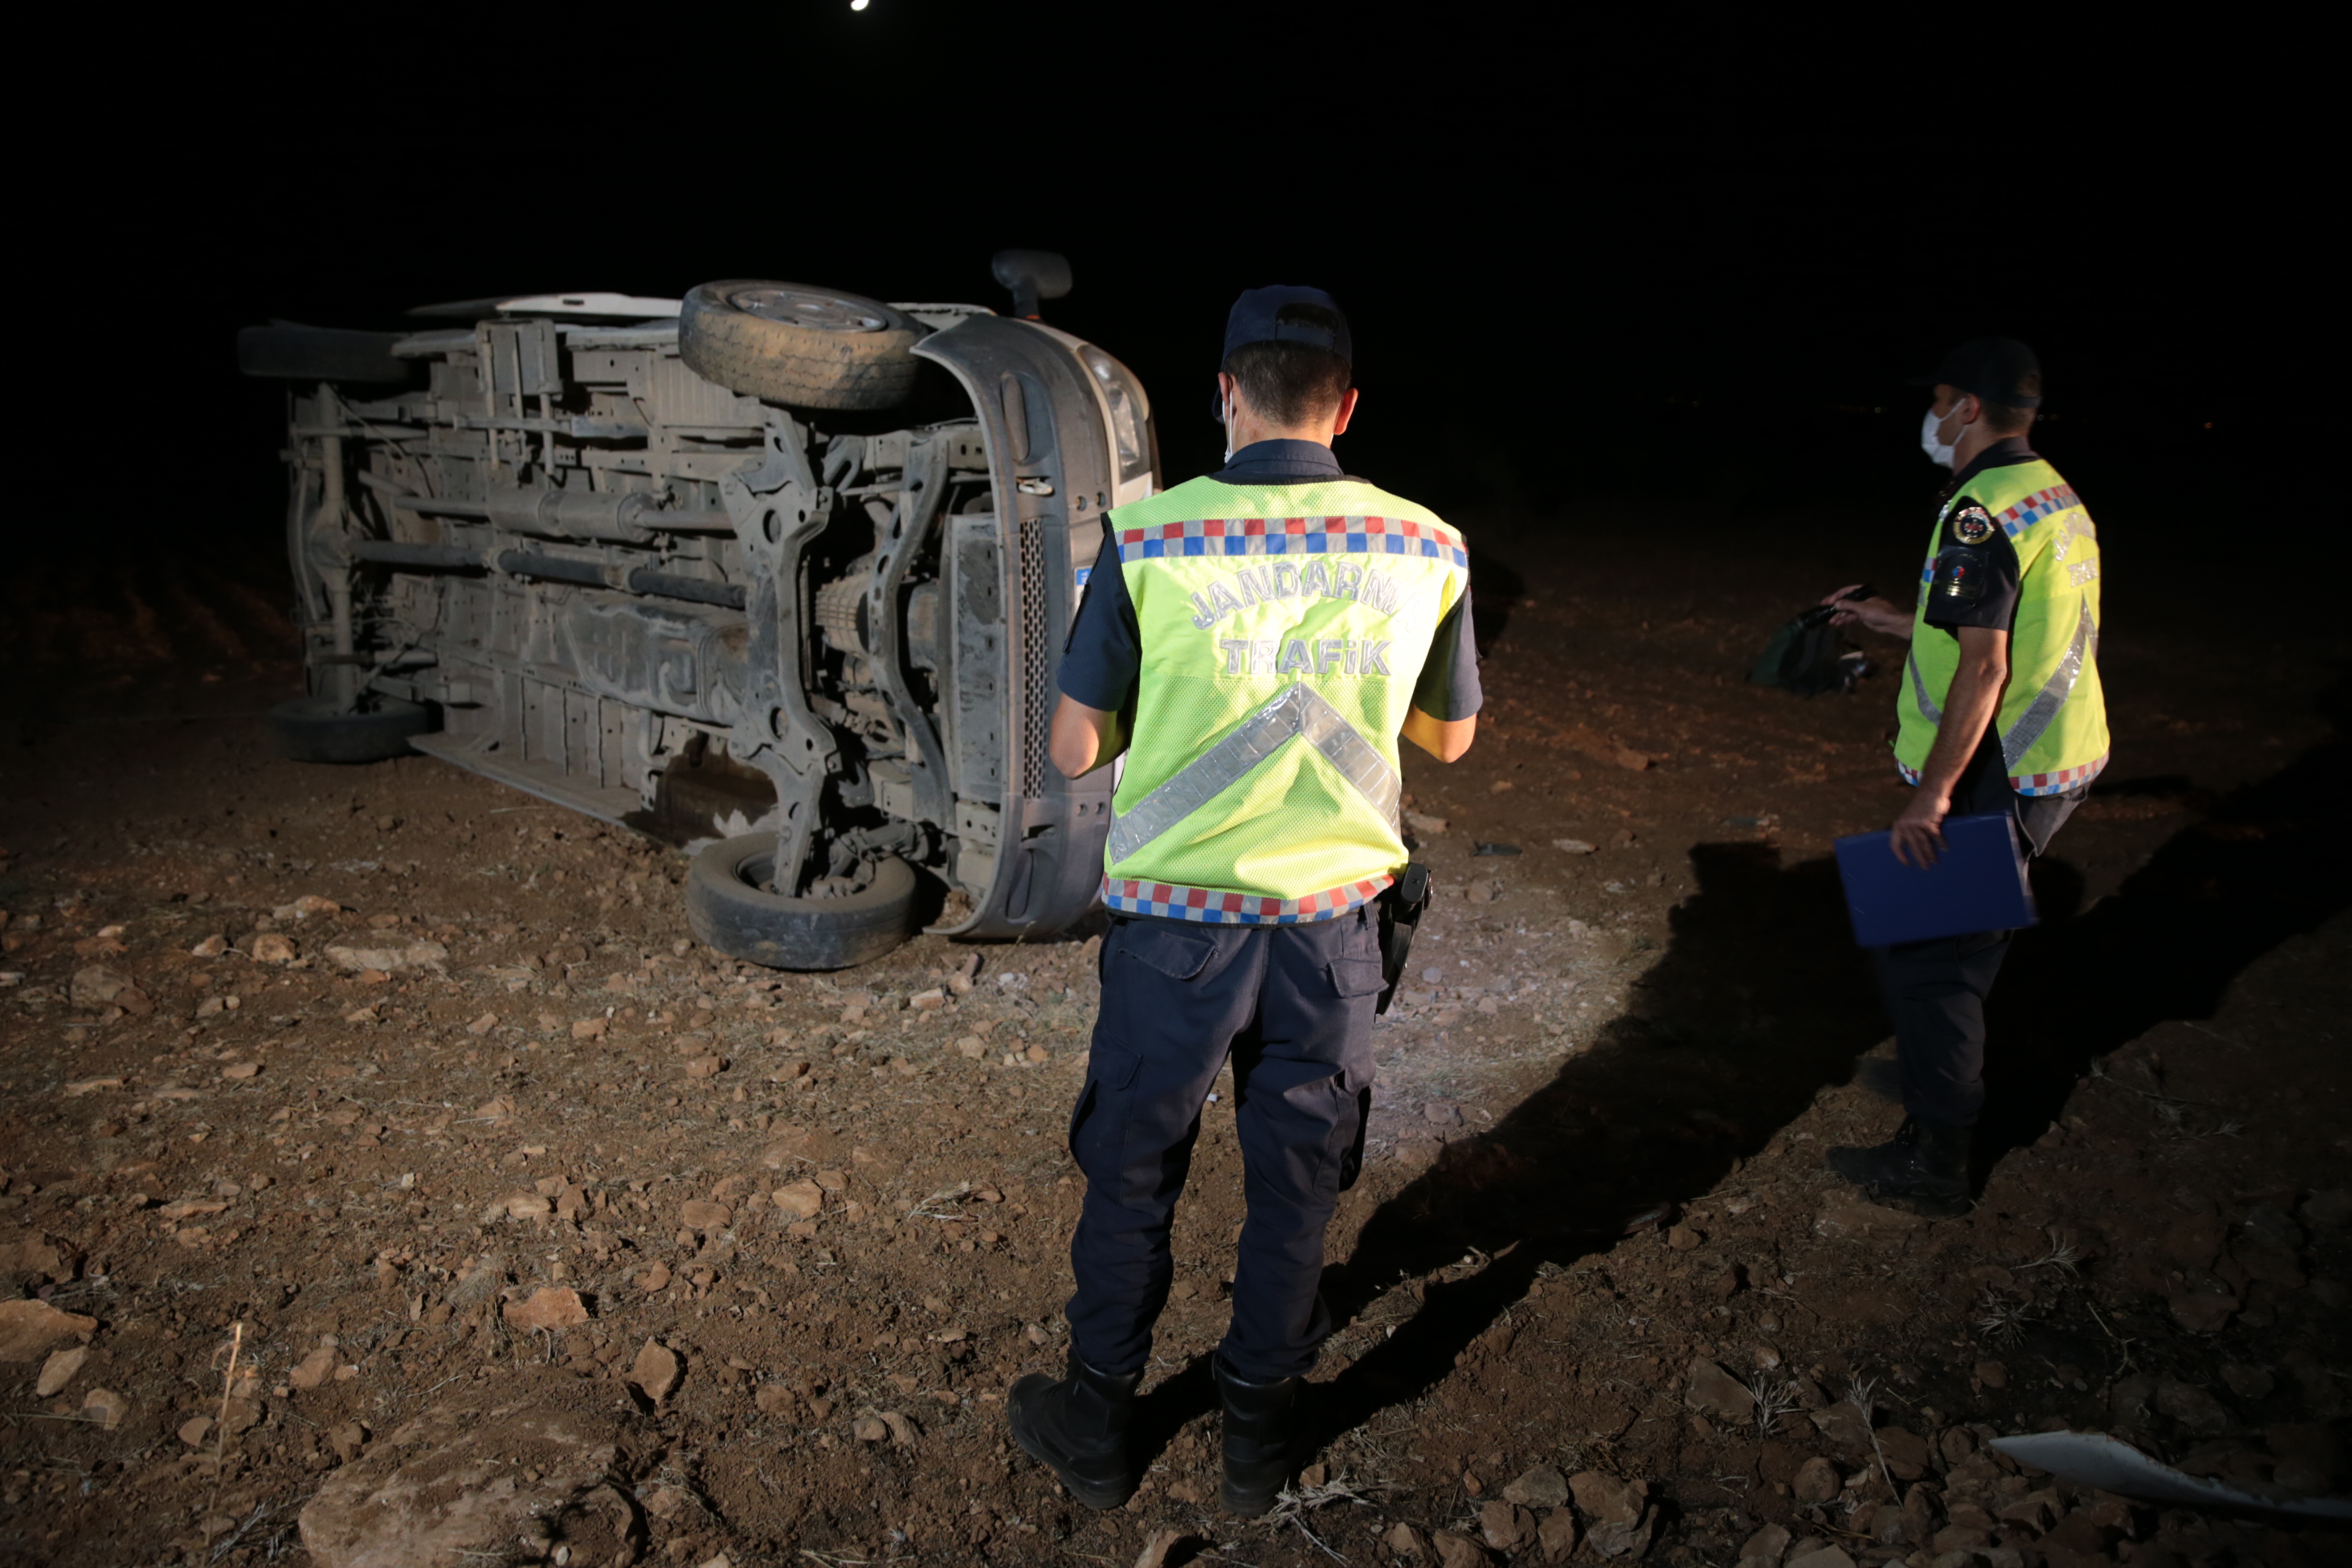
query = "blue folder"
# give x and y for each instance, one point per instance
(1978, 883)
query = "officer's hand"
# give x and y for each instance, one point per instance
(1920, 829)
(1879, 615)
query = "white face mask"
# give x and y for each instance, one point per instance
(1931, 441)
(1229, 430)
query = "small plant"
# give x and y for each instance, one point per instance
(1775, 1397)
(1292, 1504)
(2061, 1256)
(1862, 1394)
(2002, 1320)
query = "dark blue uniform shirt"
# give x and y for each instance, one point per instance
(1985, 570)
(1104, 657)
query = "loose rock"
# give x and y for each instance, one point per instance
(2191, 1405)
(550, 1307)
(387, 960)
(1844, 1425)
(1718, 1392)
(1817, 1482)
(2203, 1312)
(1619, 1511)
(656, 1370)
(801, 1200)
(104, 1406)
(59, 1369)
(1456, 1550)
(1539, 1487)
(1824, 1557)
(701, 1213)
(462, 1484)
(99, 986)
(346, 1438)
(1905, 1452)
(1505, 1526)
(271, 948)
(28, 1330)
(1155, 1550)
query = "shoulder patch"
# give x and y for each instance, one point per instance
(1970, 525)
(1960, 576)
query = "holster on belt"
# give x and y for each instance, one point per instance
(1401, 905)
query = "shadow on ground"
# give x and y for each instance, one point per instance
(1760, 1001)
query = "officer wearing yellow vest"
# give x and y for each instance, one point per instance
(1999, 711)
(1255, 642)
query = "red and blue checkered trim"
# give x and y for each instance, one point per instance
(2015, 520)
(2058, 783)
(2033, 783)
(1212, 907)
(1294, 536)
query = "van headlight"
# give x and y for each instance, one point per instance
(1131, 413)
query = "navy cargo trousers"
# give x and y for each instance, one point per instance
(1292, 1005)
(1934, 991)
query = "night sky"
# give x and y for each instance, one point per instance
(1586, 260)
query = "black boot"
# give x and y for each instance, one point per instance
(1262, 1429)
(1923, 1168)
(1079, 1428)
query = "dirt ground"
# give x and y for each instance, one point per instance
(355, 1119)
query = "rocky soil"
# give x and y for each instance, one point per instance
(389, 1179)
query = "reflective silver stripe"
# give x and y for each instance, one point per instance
(2020, 736)
(1298, 711)
(1919, 689)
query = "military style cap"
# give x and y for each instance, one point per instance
(1998, 370)
(1255, 319)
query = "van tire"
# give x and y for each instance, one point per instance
(318, 729)
(730, 907)
(805, 348)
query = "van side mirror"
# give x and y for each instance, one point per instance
(1032, 275)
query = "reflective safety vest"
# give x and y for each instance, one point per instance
(2052, 722)
(1284, 627)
